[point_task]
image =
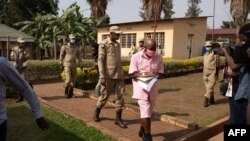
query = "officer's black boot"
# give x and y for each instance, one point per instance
(70, 95)
(212, 100)
(206, 102)
(96, 114)
(118, 120)
(66, 91)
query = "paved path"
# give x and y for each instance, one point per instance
(83, 108)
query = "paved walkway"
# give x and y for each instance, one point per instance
(82, 108)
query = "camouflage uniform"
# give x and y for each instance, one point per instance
(68, 55)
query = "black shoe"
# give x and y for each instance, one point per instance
(141, 132)
(147, 137)
(206, 102)
(97, 114)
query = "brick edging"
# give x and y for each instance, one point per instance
(156, 115)
(207, 132)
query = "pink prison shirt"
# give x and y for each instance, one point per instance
(141, 63)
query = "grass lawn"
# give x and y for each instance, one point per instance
(22, 126)
(182, 97)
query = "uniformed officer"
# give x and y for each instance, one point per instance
(141, 44)
(133, 50)
(111, 75)
(69, 53)
(20, 55)
(210, 73)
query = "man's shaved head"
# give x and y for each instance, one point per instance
(150, 44)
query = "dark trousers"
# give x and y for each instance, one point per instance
(3, 131)
(238, 111)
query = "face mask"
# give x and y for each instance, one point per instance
(208, 48)
(72, 41)
(150, 53)
(141, 44)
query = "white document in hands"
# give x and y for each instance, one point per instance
(147, 85)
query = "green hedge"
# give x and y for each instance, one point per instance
(50, 70)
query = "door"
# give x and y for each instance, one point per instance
(190, 45)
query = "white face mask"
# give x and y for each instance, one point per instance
(72, 41)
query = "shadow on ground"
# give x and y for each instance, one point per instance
(168, 90)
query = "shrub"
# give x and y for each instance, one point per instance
(50, 70)
(42, 70)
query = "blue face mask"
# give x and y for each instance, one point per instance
(208, 48)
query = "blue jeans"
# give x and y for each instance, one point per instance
(238, 110)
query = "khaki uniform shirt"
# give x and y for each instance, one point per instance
(20, 56)
(69, 54)
(109, 60)
(209, 61)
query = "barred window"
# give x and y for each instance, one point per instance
(159, 38)
(127, 40)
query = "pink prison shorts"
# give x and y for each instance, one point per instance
(146, 108)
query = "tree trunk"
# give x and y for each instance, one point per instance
(149, 9)
(55, 48)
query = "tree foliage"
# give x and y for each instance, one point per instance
(49, 30)
(193, 8)
(98, 8)
(167, 9)
(21, 10)
(148, 9)
(228, 24)
(239, 10)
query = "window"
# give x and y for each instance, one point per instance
(159, 38)
(127, 40)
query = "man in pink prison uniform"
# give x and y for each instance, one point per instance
(146, 62)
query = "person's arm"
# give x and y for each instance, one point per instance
(10, 74)
(230, 60)
(133, 68)
(62, 55)
(94, 67)
(101, 62)
(79, 57)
